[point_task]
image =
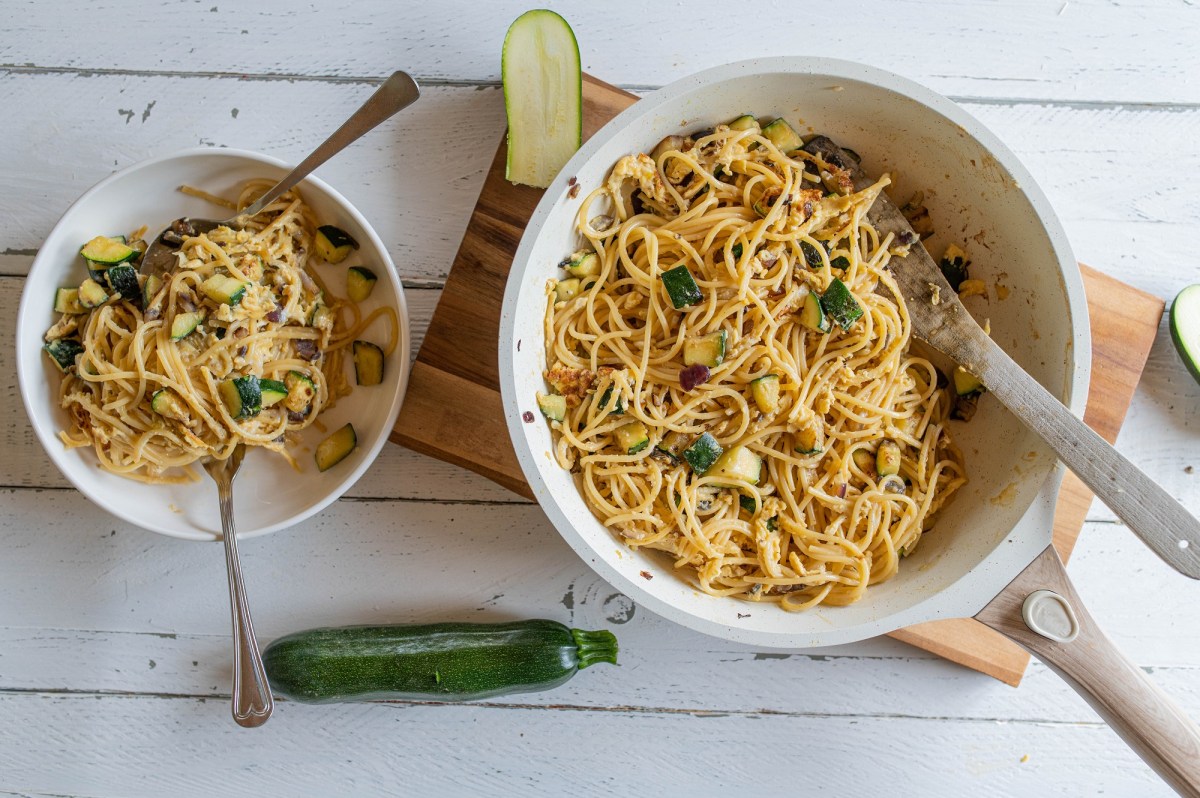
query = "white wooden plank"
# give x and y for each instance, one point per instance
(1069, 50)
(143, 746)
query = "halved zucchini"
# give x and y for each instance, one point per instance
(583, 263)
(335, 448)
(632, 437)
(66, 300)
(300, 392)
(359, 282)
(184, 323)
(840, 304)
(681, 287)
(63, 352)
(91, 294)
(368, 363)
(783, 136)
(812, 315)
(167, 404)
(737, 463)
(565, 290)
(224, 289)
(108, 250)
(333, 243)
(707, 350)
(703, 452)
(273, 392)
(765, 391)
(242, 396)
(553, 406)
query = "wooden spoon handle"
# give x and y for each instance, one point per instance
(1043, 597)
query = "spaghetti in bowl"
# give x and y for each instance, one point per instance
(149, 399)
(977, 193)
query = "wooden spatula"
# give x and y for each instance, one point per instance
(1153, 515)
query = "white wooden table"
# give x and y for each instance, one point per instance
(114, 649)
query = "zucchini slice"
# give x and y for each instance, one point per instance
(91, 294)
(632, 437)
(63, 352)
(553, 406)
(566, 290)
(333, 243)
(1185, 327)
(300, 392)
(765, 391)
(584, 263)
(123, 279)
(737, 463)
(672, 445)
(887, 458)
(359, 282)
(954, 266)
(335, 448)
(865, 460)
(966, 383)
(184, 323)
(368, 363)
(150, 290)
(703, 452)
(108, 250)
(543, 97)
(618, 407)
(812, 315)
(811, 256)
(783, 136)
(273, 392)
(242, 396)
(807, 441)
(167, 404)
(224, 289)
(681, 287)
(707, 350)
(840, 304)
(746, 122)
(66, 300)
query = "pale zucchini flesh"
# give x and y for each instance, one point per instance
(543, 97)
(1185, 327)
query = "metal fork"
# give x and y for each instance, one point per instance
(252, 702)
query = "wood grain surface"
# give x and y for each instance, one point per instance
(453, 409)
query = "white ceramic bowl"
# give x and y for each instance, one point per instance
(268, 493)
(978, 194)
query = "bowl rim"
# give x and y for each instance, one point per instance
(961, 598)
(48, 438)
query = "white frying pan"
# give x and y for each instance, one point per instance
(990, 554)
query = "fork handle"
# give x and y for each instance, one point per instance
(397, 92)
(1152, 513)
(252, 702)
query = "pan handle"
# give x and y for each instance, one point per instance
(1041, 612)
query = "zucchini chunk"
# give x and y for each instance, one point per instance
(811, 256)
(681, 287)
(185, 323)
(966, 383)
(954, 266)
(807, 441)
(273, 392)
(1185, 328)
(359, 282)
(335, 448)
(167, 404)
(737, 463)
(703, 452)
(108, 250)
(707, 350)
(566, 290)
(66, 301)
(242, 396)
(746, 122)
(812, 315)
(321, 316)
(887, 458)
(583, 263)
(91, 294)
(224, 289)
(765, 391)
(123, 279)
(840, 304)
(672, 445)
(632, 437)
(783, 136)
(748, 504)
(150, 290)
(553, 406)
(300, 392)
(63, 352)
(334, 243)
(841, 263)
(618, 408)
(865, 460)
(368, 363)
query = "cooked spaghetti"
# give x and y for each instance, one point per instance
(241, 342)
(728, 384)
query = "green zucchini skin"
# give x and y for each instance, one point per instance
(442, 661)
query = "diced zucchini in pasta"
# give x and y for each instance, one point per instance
(632, 437)
(738, 464)
(765, 391)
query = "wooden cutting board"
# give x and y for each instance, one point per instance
(453, 409)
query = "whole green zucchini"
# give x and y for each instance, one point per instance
(442, 661)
